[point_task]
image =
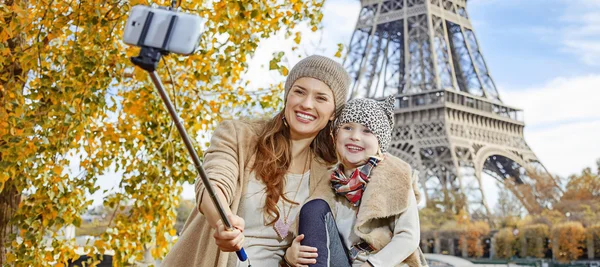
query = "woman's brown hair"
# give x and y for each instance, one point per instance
(273, 158)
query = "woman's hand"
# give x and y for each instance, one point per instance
(298, 255)
(230, 240)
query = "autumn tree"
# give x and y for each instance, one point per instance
(581, 200)
(184, 209)
(508, 208)
(532, 240)
(504, 243)
(70, 96)
(567, 241)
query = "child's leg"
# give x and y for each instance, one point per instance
(317, 224)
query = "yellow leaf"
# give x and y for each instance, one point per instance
(57, 170)
(297, 7)
(213, 106)
(172, 232)
(298, 38)
(10, 257)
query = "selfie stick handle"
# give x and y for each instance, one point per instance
(148, 60)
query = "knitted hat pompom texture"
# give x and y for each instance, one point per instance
(324, 69)
(375, 115)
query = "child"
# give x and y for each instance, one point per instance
(373, 194)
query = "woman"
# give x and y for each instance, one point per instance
(263, 171)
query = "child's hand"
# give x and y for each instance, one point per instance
(298, 255)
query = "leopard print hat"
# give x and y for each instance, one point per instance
(375, 115)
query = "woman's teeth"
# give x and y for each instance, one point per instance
(304, 116)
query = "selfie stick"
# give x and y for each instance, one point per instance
(148, 60)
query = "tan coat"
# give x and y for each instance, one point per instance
(227, 163)
(386, 197)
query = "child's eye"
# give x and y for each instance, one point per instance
(347, 128)
(366, 130)
(322, 99)
(299, 91)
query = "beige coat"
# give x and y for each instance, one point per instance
(227, 163)
(386, 197)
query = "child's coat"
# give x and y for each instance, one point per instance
(385, 197)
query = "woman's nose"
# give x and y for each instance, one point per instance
(307, 103)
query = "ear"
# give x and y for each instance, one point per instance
(379, 152)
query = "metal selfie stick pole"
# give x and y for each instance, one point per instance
(148, 60)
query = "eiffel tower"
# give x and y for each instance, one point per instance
(451, 123)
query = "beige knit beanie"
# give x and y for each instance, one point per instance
(324, 69)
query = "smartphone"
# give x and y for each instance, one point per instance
(168, 30)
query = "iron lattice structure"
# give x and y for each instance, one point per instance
(451, 123)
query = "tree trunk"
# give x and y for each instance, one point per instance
(9, 201)
(493, 248)
(524, 248)
(451, 246)
(464, 247)
(590, 247)
(10, 197)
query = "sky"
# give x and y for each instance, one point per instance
(544, 56)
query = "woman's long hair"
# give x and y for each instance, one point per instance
(273, 158)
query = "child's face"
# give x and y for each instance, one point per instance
(355, 144)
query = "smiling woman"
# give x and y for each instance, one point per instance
(309, 107)
(264, 170)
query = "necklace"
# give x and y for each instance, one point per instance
(282, 226)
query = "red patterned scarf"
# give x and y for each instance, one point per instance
(352, 188)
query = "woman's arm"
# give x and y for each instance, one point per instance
(222, 169)
(405, 240)
(221, 166)
(210, 211)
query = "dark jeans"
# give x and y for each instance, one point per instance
(317, 224)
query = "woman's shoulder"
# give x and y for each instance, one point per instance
(243, 127)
